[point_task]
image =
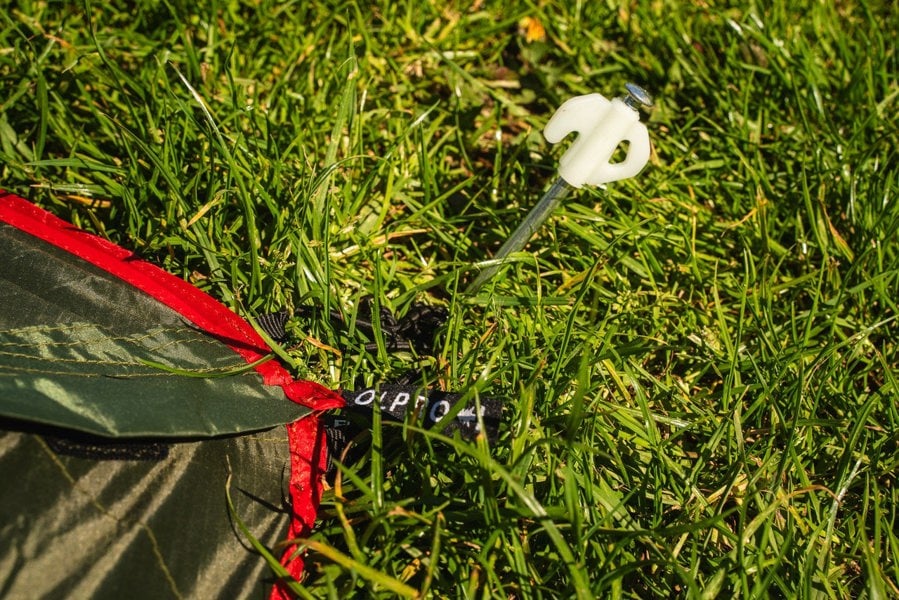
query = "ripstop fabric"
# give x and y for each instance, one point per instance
(128, 398)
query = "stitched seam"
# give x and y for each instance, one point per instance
(133, 339)
(11, 370)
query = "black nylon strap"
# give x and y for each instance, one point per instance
(274, 324)
(431, 406)
(431, 410)
(415, 330)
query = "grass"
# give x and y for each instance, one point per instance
(699, 364)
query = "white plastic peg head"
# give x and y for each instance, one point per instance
(602, 125)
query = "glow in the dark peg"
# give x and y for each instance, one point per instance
(602, 125)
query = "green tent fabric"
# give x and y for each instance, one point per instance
(87, 527)
(66, 324)
(127, 399)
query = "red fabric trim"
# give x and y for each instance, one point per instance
(308, 463)
(308, 450)
(195, 305)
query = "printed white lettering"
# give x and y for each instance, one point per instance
(444, 407)
(365, 398)
(467, 414)
(401, 399)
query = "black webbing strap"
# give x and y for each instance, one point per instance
(440, 411)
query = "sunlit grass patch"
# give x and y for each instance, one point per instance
(699, 364)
